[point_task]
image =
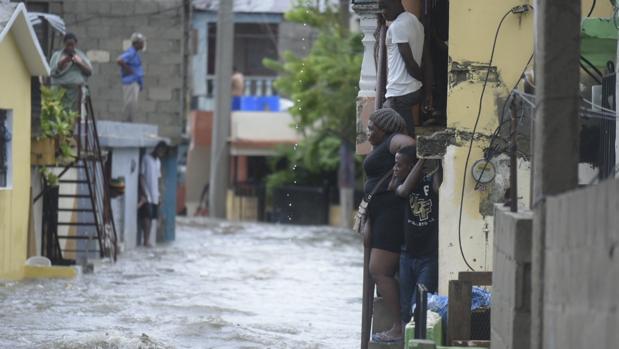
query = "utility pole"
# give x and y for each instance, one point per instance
(617, 113)
(555, 139)
(346, 171)
(220, 152)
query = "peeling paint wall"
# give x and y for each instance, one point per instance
(473, 24)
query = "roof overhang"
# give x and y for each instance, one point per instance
(27, 41)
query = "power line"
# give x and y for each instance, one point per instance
(468, 156)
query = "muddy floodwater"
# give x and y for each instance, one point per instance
(219, 285)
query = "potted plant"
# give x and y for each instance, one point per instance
(57, 143)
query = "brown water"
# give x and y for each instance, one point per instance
(219, 285)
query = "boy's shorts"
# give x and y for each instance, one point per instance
(149, 210)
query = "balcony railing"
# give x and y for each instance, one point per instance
(254, 86)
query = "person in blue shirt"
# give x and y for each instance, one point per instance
(132, 75)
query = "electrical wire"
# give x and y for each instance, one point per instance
(592, 8)
(590, 74)
(488, 153)
(468, 156)
(584, 59)
(595, 106)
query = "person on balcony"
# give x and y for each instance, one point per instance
(70, 69)
(386, 133)
(238, 88)
(132, 75)
(408, 64)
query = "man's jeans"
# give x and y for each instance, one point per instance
(404, 106)
(415, 271)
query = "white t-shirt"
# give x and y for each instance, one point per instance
(151, 170)
(405, 29)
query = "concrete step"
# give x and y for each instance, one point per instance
(386, 346)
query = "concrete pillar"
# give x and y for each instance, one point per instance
(556, 130)
(367, 81)
(617, 123)
(367, 13)
(220, 157)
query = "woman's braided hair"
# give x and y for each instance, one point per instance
(388, 120)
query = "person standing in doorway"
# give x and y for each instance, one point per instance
(132, 75)
(409, 70)
(150, 173)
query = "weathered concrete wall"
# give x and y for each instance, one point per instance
(125, 163)
(103, 28)
(469, 50)
(582, 269)
(511, 280)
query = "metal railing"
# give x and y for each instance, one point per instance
(98, 181)
(91, 172)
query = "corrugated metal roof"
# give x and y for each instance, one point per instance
(6, 12)
(14, 20)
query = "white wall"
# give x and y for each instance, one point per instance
(125, 163)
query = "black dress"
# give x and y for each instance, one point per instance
(386, 209)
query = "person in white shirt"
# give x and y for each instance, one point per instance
(150, 172)
(409, 71)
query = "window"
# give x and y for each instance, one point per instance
(5, 148)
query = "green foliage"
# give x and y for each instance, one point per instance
(50, 177)
(58, 121)
(323, 85)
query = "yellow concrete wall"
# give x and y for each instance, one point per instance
(473, 25)
(14, 202)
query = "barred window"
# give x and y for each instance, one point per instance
(5, 148)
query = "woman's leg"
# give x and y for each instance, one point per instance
(383, 265)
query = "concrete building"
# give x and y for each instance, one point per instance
(260, 32)
(21, 60)
(469, 51)
(103, 29)
(125, 143)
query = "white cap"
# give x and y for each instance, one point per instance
(137, 37)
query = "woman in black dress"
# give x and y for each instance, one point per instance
(386, 133)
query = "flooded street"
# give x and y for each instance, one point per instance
(219, 285)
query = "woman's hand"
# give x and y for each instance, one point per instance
(77, 59)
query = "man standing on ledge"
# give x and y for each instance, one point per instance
(132, 75)
(409, 69)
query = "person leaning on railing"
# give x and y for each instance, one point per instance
(70, 69)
